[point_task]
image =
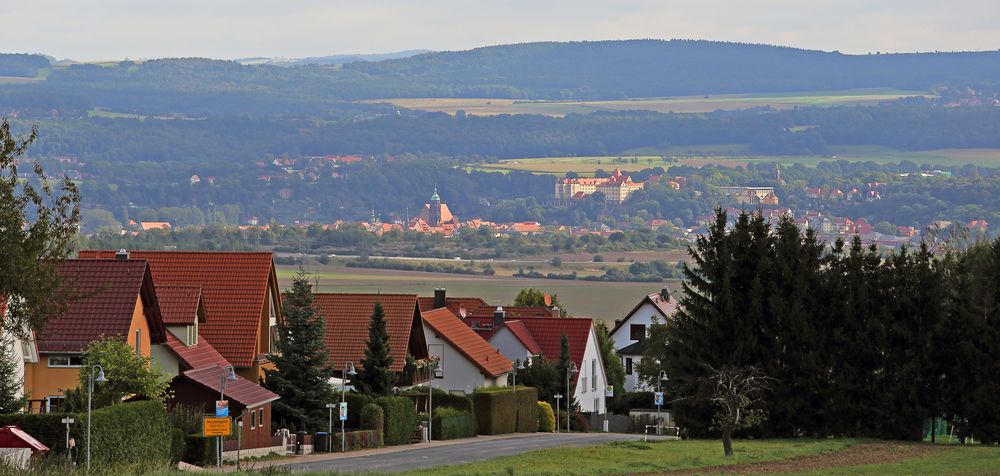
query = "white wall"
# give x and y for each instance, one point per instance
(458, 372)
(15, 350)
(509, 345)
(592, 366)
(163, 358)
(622, 338)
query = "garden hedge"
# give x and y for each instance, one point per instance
(355, 402)
(452, 423)
(495, 409)
(199, 450)
(400, 419)
(546, 417)
(527, 409)
(372, 418)
(442, 399)
(625, 401)
(48, 427)
(359, 440)
(134, 432)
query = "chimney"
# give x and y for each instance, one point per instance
(498, 317)
(665, 294)
(555, 311)
(121, 254)
(439, 300)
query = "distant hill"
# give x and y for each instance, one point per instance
(651, 68)
(343, 59)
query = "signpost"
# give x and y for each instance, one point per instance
(222, 408)
(329, 441)
(558, 397)
(68, 422)
(216, 426)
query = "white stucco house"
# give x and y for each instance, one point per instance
(465, 360)
(515, 341)
(629, 334)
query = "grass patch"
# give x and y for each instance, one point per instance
(967, 460)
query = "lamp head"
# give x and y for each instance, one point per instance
(520, 364)
(230, 374)
(572, 368)
(100, 376)
(350, 369)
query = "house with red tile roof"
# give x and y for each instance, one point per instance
(113, 298)
(240, 293)
(629, 333)
(348, 315)
(465, 360)
(514, 340)
(460, 306)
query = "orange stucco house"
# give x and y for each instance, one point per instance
(115, 298)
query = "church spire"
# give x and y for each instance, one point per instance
(435, 197)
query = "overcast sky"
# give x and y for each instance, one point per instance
(114, 29)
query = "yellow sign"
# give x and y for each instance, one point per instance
(216, 426)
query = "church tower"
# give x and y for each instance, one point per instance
(434, 214)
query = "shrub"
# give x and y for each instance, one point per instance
(577, 421)
(176, 445)
(527, 409)
(400, 419)
(359, 440)
(199, 450)
(496, 410)
(452, 423)
(546, 418)
(355, 403)
(622, 403)
(372, 418)
(47, 427)
(135, 432)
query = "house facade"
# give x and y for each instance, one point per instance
(629, 334)
(465, 360)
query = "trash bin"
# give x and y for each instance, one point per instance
(321, 442)
(300, 439)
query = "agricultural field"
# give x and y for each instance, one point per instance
(601, 300)
(689, 104)
(737, 155)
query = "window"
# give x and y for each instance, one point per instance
(597, 405)
(138, 342)
(260, 417)
(637, 332)
(628, 365)
(593, 375)
(65, 361)
(272, 343)
(253, 419)
(54, 403)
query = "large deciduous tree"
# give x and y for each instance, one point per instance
(302, 369)
(38, 220)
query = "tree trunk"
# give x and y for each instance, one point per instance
(727, 442)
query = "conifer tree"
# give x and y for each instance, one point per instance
(375, 378)
(302, 370)
(11, 398)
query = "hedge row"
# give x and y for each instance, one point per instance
(400, 419)
(360, 439)
(442, 399)
(355, 402)
(625, 401)
(452, 423)
(48, 427)
(527, 409)
(546, 417)
(372, 418)
(495, 409)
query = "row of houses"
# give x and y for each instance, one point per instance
(195, 313)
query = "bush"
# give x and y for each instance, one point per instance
(452, 423)
(496, 410)
(199, 450)
(355, 403)
(577, 421)
(372, 418)
(135, 432)
(442, 399)
(623, 402)
(546, 418)
(400, 419)
(176, 445)
(359, 440)
(47, 427)
(527, 409)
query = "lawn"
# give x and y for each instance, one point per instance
(689, 104)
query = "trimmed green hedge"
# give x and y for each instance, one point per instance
(400, 419)
(441, 399)
(372, 418)
(135, 432)
(495, 409)
(359, 440)
(452, 423)
(355, 402)
(48, 427)
(546, 417)
(527, 409)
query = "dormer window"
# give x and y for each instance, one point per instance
(637, 332)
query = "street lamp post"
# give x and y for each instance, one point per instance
(519, 365)
(433, 366)
(569, 372)
(90, 397)
(228, 375)
(348, 370)
(659, 401)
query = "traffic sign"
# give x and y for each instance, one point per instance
(609, 392)
(658, 398)
(222, 408)
(214, 426)
(343, 411)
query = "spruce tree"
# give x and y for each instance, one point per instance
(302, 370)
(11, 398)
(375, 378)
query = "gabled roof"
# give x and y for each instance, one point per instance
(241, 390)
(347, 318)
(548, 332)
(106, 292)
(523, 335)
(455, 304)
(636, 348)
(449, 327)
(197, 356)
(666, 307)
(13, 436)
(180, 304)
(234, 286)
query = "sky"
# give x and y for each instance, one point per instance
(228, 29)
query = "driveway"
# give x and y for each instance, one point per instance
(425, 455)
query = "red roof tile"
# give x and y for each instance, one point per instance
(107, 292)
(450, 328)
(524, 336)
(548, 332)
(666, 306)
(347, 317)
(513, 312)
(455, 304)
(197, 356)
(180, 304)
(241, 390)
(234, 286)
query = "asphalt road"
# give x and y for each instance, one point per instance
(428, 457)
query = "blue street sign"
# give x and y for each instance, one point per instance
(658, 398)
(221, 408)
